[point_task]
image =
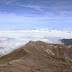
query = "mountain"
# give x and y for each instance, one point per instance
(67, 41)
(38, 57)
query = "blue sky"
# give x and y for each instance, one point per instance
(35, 14)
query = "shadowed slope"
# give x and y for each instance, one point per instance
(17, 54)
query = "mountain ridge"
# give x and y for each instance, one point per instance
(67, 41)
(38, 57)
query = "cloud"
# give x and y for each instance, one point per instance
(41, 7)
(34, 7)
(8, 1)
(11, 40)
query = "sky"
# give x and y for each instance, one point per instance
(35, 14)
(25, 20)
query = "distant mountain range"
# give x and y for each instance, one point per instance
(38, 57)
(67, 41)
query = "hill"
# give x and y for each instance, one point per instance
(38, 57)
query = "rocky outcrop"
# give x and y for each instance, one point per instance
(38, 57)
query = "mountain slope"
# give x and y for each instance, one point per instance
(38, 57)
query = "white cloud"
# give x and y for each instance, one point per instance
(9, 1)
(35, 7)
(10, 40)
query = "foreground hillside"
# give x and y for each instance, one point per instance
(38, 57)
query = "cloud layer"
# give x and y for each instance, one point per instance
(11, 40)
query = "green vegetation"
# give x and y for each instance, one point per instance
(71, 60)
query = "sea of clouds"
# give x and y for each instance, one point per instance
(11, 40)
